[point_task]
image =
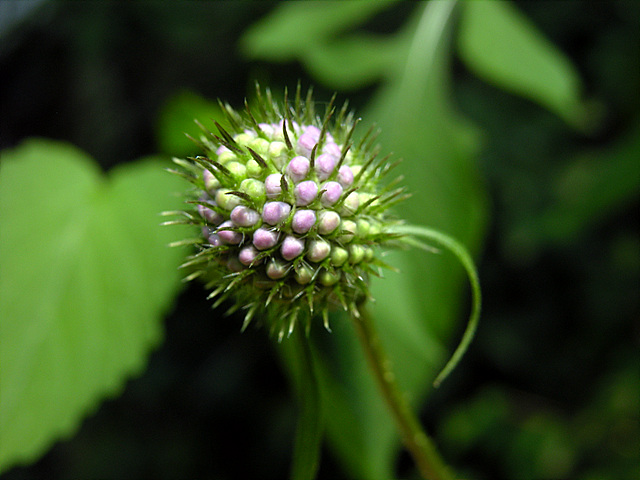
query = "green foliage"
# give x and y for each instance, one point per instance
(86, 277)
(320, 37)
(501, 45)
(541, 442)
(415, 310)
(70, 335)
(414, 114)
(585, 191)
(176, 121)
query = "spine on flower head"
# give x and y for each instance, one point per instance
(292, 210)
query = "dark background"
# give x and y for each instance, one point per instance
(560, 320)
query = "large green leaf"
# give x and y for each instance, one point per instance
(85, 277)
(415, 310)
(501, 45)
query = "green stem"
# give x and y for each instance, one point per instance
(417, 442)
(306, 453)
(461, 253)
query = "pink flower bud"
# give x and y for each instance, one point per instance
(345, 176)
(292, 247)
(248, 255)
(229, 236)
(212, 238)
(331, 148)
(263, 238)
(306, 192)
(275, 212)
(308, 140)
(210, 182)
(324, 165)
(298, 168)
(222, 149)
(243, 216)
(332, 193)
(272, 185)
(211, 216)
(303, 221)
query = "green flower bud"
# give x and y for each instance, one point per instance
(363, 227)
(226, 199)
(227, 157)
(260, 145)
(350, 204)
(329, 279)
(238, 170)
(255, 189)
(304, 274)
(356, 253)
(244, 138)
(278, 153)
(348, 229)
(253, 169)
(339, 256)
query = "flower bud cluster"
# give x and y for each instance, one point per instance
(291, 212)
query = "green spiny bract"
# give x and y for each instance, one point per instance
(291, 210)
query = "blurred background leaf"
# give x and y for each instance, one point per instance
(501, 45)
(320, 38)
(324, 41)
(544, 443)
(586, 190)
(176, 121)
(416, 309)
(82, 293)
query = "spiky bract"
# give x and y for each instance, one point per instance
(292, 210)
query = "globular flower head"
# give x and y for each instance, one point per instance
(292, 211)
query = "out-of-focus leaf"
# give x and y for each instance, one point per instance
(350, 62)
(502, 46)
(608, 429)
(484, 418)
(541, 449)
(541, 442)
(295, 28)
(591, 187)
(414, 310)
(177, 119)
(85, 277)
(315, 34)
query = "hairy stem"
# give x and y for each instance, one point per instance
(418, 443)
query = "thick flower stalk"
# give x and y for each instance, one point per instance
(292, 211)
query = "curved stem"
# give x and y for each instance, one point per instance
(417, 442)
(465, 259)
